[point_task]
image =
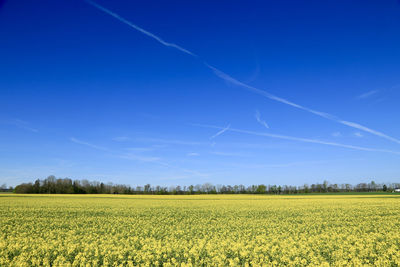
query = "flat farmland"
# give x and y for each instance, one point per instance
(199, 230)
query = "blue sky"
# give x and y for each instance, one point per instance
(187, 92)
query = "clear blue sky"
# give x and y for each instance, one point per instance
(85, 95)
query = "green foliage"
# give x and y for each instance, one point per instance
(52, 185)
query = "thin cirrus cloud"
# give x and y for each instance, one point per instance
(141, 149)
(367, 94)
(358, 134)
(328, 116)
(80, 142)
(129, 156)
(159, 161)
(170, 141)
(121, 139)
(292, 164)
(227, 154)
(234, 81)
(223, 130)
(260, 121)
(141, 158)
(155, 37)
(300, 139)
(21, 124)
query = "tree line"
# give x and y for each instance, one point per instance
(53, 185)
(5, 188)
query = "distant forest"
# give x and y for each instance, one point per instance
(53, 185)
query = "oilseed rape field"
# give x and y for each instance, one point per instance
(199, 230)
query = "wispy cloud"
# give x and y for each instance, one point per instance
(193, 154)
(80, 142)
(135, 157)
(221, 132)
(149, 34)
(142, 149)
(336, 134)
(358, 134)
(21, 124)
(300, 139)
(127, 156)
(234, 81)
(293, 164)
(121, 139)
(194, 172)
(262, 122)
(227, 154)
(139, 158)
(171, 141)
(368, 130)
(367, 94)
(328, 116)
(188, 174)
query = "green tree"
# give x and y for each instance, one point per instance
(261, 189)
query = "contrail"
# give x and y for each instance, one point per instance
(77, 141)
(154, 160)
(20, 124)
(221, 132)
(262, 122)
(155, 37)
(299, 139)
(234, 81)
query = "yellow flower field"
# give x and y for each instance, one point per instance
(217, 230)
